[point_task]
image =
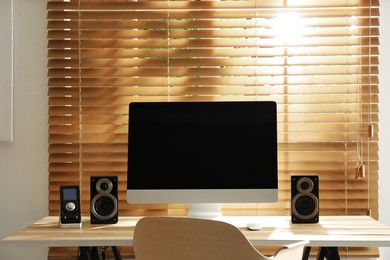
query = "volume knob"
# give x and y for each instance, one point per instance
(70, 206)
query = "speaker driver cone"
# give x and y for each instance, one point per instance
(104, 206)
(305, 206)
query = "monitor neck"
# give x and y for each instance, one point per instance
(204, 210)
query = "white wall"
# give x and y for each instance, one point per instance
(23, 163)
(6, 106)
(384, 113)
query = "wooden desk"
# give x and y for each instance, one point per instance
(330, 232)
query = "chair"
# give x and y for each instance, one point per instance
(181, 238)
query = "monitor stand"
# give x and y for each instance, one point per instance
(204, 210)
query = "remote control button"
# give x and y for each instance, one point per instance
(70, 206)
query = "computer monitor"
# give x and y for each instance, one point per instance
(203, 154)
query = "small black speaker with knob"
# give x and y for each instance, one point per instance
(104, 199)
(304, 199)
(70, 210)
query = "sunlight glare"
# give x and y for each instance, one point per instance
(288, 28)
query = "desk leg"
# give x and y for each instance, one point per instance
(92, 253)
(306, 253)
(329, 253)
(88, 253)
(117, 254)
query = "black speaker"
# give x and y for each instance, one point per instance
(104, 199)
(304, 199)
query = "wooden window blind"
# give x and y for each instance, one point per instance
(318, 59)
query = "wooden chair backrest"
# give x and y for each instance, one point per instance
(180, 238)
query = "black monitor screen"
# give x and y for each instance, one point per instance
(202, 145)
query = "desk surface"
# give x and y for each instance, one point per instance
(330, 231)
